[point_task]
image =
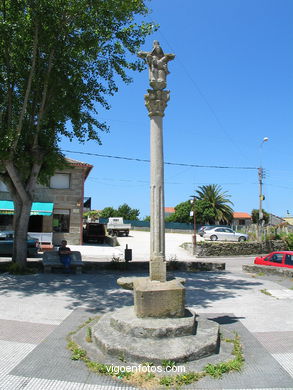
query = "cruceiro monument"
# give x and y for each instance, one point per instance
(158, 327)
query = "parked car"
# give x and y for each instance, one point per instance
(207, 227)
(94, 231)
(276, 259)
(6, 244)
(224, 234)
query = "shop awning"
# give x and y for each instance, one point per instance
(38, 208)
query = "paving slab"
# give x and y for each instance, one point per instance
(51, 361)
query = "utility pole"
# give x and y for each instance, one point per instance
(192, 201)
(261, 198)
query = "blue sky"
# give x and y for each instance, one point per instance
(231, 85)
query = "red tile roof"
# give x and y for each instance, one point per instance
(76, 163)
(237, 215)
(169, 210)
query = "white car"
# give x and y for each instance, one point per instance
(224, 234)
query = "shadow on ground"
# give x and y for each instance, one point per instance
(101, 292)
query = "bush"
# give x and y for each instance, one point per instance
(289, 240)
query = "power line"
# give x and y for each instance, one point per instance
(166, 163)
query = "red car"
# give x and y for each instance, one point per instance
(276, 259)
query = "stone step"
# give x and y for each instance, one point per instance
(125, 321)
(152, 349)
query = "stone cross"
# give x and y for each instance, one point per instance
(156, 102)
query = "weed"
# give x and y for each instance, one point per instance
(168, 364)
(266, 292)
(217, 370)
(89, 336)
(78, 354)
(121, 357)
(17, 269)
(150, 380)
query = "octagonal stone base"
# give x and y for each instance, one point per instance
(188, 338)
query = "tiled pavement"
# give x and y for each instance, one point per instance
(37, 311)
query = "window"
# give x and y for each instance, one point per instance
(289, 259)
(60, 181)
(241, 222)
(276, 258)
(3, 187)
(6, 221)
(61, 221)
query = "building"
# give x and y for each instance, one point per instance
(241, 219)
(288, 218)
(169, 211)
(275, 220)
(57, 209)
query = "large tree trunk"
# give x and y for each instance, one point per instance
(22, 195)
(21, 219)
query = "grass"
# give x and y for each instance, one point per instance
(150, 380)
(266, 292)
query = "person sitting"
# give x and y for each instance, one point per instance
(65, 255)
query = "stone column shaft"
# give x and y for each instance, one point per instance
(157, 226)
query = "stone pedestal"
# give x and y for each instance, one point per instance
(121, 333)
(158, 299)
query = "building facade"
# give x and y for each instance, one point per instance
(57, 208)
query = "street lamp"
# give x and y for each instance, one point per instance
(192, 213)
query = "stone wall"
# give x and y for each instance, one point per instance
(214, 249)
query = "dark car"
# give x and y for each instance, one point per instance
(6, 244)
(276, 259)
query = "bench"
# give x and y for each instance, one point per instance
(51, 260)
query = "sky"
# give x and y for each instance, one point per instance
(231, 85)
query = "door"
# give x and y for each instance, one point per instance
(35, 223)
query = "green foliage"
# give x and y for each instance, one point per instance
(182, 213)
(169, 381)
(124, 211)
(255, 216)
(212, 205)
(89, 336)
(127, 212)
(59, 61)
(108, 212)
(18, 269)
(78, 353)
(289, 240)
(92, 214)
(266, 292)
(168, 364)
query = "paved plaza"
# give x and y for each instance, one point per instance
(38, 311)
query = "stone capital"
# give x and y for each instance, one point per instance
(156, 102)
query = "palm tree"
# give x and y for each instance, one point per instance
(214, 204)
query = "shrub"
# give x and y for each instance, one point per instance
(289, 240)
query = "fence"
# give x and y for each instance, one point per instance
(145, 225)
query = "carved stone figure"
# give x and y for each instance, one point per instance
(158, 65)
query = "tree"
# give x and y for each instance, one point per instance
(127, 212)
(255, 216)
(58, 61)
(212, 205)
(92, 214)
(182, 213)
(108, 212)
(123, 211)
